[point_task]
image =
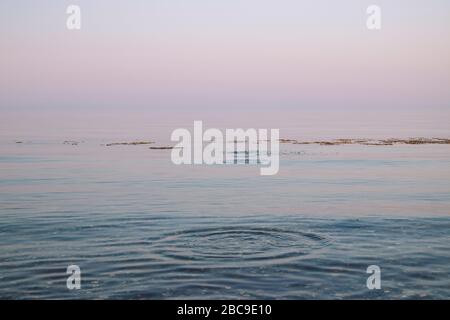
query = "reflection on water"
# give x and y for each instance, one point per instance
(140, 227)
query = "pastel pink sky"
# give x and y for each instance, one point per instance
(212, 57)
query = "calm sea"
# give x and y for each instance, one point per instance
(140, 227)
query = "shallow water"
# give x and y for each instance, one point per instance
(140, 227)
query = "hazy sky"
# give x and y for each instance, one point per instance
(193, 55)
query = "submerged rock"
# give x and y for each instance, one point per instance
(417, 141)
(287, 140)
(371, 142)
(162, 148)
(133, 143)
(73, 143)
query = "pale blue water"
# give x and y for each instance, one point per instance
(140, 227)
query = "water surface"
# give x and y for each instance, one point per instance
(140, 227)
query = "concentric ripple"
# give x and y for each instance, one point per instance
(239, 245)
